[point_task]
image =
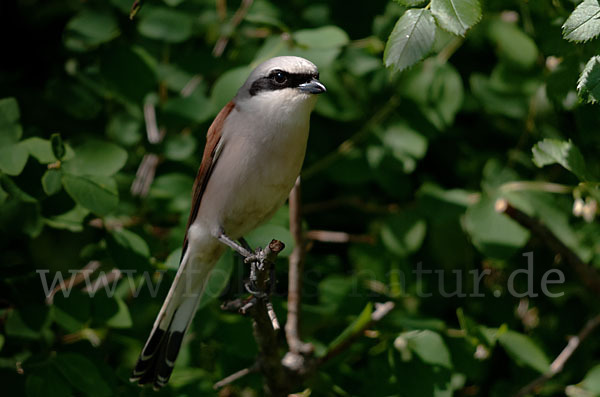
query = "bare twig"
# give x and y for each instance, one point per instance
(381, 310)
(328, 236)
(153, 134)
(273, 317)
(135, 8)
(277, 379)
(536, 186)
(587, 274)
(145, 175)
(559, 362)
(237, 18)
(297, 257)
(74, 280)
(235, 376)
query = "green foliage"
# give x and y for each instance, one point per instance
(524, 350)
(553, 151)
(411, 39)
(435, 110)
(584, 23)
(414, 34)
(588, 85)
(456, 16)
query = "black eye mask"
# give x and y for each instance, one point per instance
(278, 79)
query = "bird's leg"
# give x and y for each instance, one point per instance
(245, 244)
(234, 245)
(255, 260)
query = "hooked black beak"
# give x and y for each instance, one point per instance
(313, 87)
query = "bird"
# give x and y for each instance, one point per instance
(254, 152)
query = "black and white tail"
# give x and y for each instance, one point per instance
(158, 356)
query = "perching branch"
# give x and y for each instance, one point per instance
(265, 323)
(282, 374)
(559, 362)
(587, 274)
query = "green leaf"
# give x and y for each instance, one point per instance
(15, 327)
(96, 158)
(3, 195)
(410, 3)
(359, 323)
(89, 29)
(173, 259)
(403, 234)
(52, 181)
(565, 153)
(71, 220)
(493, 234)
(46, 381)
(195, 107)
(411, 39)
(584, 22)
(82, 374)
(41, 149)
(121, 319)
(513, 44)
(9, 111)
(128, 250)
(523, 350)
(429, 347)
(227, 86)
(404, 142)
(323, 37)
(58, 147)
(591, 382)
(180, 147)
(166, 24)
(124, 129)
(588, 85)
(130, 74)
(456, 16)
(97, 193)
(437, 88)
(13, 158)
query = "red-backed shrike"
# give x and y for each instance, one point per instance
(253, 154)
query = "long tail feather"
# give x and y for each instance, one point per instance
(157, 359)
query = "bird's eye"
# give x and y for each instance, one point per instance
(279, 77)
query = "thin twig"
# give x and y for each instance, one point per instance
(296, 265)
(273, 316)
(328, 236)
(536, 186)
(559, 362)
(277, 379)
(77, 278)
(237, 18)
(145, 175)
(235, 376)
(152, 132)
(381, 310)
(587, 274)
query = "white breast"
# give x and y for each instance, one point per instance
(264, 141)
